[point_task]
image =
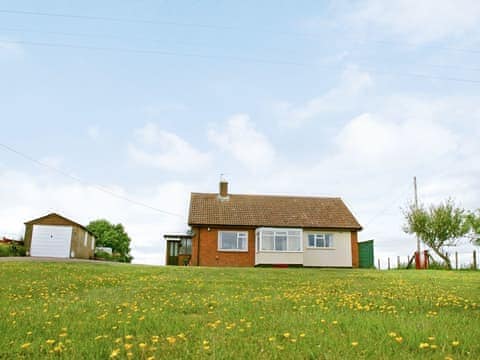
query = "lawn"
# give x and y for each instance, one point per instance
(101, 311)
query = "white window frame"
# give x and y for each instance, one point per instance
(93, 242)
(276, 231)
(318, 237)
(85, 240)
(239, 235)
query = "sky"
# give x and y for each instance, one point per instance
(119, 109)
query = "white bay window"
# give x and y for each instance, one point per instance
(281, 240)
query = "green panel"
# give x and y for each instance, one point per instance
(365, 254)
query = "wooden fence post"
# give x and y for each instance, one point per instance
(388, 263)
(378, 263)
(398, 262)
(456, 260)
(474, 259)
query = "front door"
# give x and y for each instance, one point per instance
(172, 253)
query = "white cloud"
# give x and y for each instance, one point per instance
(244, 142)
(421, 21)
(353, 83)
(93, 132)
(158, 148)
(8, 48)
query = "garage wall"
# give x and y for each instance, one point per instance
(80, 250)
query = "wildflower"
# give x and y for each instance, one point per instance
(142, 346)
(115, 353)
(433, 346)
(334, 322)
(50, 341)
(455, 343)
(392, 334)
(271, 338)
(355, 343)
(128, 346)
(424, 345)
(286, 335)
(151, 358)
(171, 340)
(302, 335)
(128, 337)
(26, 345)
(431, 338)
(399, 339)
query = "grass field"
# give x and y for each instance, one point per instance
(102, 311)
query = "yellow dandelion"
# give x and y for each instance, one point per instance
(355, 343)
(286, 335)
(455, 343)
(431, 338)
(302, 335)
(205, 342)
(151, 358)
(50, 341)
(392, 334)
(129, 354)
(271, 338)
(63, 334)
(142, 346)
(171, 340)
(399, 339)
(128, 337)
(98, 337)
(118, 340)
(433, 346)
(115, 353)
(128, 346)
(334, 322)
(206, 347)
(26, 345)
(424, 345)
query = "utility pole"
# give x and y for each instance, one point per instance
(416, 208)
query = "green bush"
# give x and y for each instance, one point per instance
(12, 250)
(4, 251)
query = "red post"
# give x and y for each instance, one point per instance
(425, 258)
(418, 265)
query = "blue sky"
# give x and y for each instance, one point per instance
(155, 99)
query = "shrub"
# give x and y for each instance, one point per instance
(12, 250)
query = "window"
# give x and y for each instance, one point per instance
(279, 240)
(233, 240)
(85, 240)
(185, 247)
(93, 242)
(320, 240)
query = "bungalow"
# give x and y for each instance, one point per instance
(250, 230)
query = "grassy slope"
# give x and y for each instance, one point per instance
(93, 310)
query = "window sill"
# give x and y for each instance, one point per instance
(233, 250)
(280, 251)
(321, 248)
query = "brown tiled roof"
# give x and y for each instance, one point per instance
(267, 210)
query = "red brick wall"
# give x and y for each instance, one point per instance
(209, 254)
(354, 239)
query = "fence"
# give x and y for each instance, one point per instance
(398, 264)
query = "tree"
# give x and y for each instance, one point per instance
(438, 227)
(112, 236)
(473, 219)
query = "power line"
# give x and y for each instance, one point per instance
(119, 37)
(228, 57)
(97, 187)
(158, 52)
(214, 27)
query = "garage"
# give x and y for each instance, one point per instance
(52, 241)
(56, 236)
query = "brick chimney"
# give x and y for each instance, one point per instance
(223, 192)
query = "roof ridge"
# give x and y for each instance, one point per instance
(274, 195)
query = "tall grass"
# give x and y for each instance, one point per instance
(102, 311)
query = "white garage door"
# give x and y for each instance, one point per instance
(51, 241)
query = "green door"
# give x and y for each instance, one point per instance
(365, 254)
(172, 251)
